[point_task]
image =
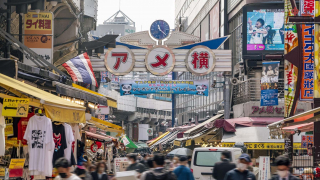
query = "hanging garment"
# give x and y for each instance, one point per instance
(59, 137)
(2, 135)
(69, 140)
(76, 134)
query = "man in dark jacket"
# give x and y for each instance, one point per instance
(220, 169)
(283, 166)
(159, 172)
(134, 165)
(241, 172)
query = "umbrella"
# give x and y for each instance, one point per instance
(180, 152)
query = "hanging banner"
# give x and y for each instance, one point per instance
(291, 71)
(39, 26)
(307, 7)
(308, 62)
(269, 83)
(307, 142)
(8, 130)
(193, 87)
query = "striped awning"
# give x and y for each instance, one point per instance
(165, 139)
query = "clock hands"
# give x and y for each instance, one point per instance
(161, 30)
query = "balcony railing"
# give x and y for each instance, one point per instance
(250, 90)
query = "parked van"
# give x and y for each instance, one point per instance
(203, 160)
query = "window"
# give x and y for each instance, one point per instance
(207, 158)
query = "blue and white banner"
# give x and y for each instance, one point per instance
(270, 83)
(139, 87)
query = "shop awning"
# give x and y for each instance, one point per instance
(302, 127)
(57, 109)
(97, 137)
(229, 125)
(160, 137)
(253, 135)
(298, 118)
(76, 92)
(170, 135)
(150, 141)
(203, 124)
(181, 128)
(107, 126)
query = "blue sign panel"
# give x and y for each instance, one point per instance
(193, 87)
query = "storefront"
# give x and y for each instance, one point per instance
(45, 125)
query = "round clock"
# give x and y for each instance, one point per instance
(159, 29)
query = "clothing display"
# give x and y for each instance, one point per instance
(59, 137)
(22, 126)
(40, 144)
(70, 140)
(2, 135)
(76, 134)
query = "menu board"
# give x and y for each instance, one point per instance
(121, 164)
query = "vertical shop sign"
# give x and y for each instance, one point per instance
(264, 167)
(316, 74)
(269, 83)
(307, 7)
(307, 142)
(39, 26)
(291, 71)
(308, 60)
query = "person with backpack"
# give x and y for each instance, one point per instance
(182, 171)
(158, 172)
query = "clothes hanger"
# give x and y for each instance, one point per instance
(57, 122)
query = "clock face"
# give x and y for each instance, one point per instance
(159, 29)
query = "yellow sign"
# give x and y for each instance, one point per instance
(177, 143)
(2, 172)
(188, 142)
(65, 115)
(8, 131)
(15, 107)
(17, 163)
(261, 146)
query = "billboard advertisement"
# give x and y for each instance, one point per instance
(139, 87)
(269, 83)
(264, 29)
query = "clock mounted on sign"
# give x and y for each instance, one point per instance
(159, 29)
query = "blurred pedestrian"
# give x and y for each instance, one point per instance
(241, 172)
(92, 169)
(159, 172)
(174, 163)
(100, 173)
(183, 172)
(134, 165)
(144, 160)
(82, 172)
(283, 166)
(221, 168)
(151, 167)
(63, 166)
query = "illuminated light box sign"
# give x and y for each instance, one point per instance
(263, 29)
(139, 87)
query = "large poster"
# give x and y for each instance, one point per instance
(139, 87)
(308, 60)
(291, 71)
(265, 29)
(269, 83)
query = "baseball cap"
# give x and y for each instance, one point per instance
(245, 157)
(183, 158)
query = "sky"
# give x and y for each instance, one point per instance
(142, 12)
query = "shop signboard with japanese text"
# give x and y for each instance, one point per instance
(308, 62)
(264, 167)
(38, 30)
(270, 83)
(138, 87)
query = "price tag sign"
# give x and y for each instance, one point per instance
(17, 163)
(188, 143)
(2, 172)
(177, 143)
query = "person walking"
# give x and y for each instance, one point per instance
(82, 172)
(159, 172)
(241, 172)
(183, 172)
(283, 166)
(221, 168)
(63, 166)
(100, 173)
(134, 165)
(144, 160)
(175, 163)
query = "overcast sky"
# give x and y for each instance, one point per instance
(142, 12)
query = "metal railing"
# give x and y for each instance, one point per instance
(250, 90)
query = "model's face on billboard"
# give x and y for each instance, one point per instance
(258, 24)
